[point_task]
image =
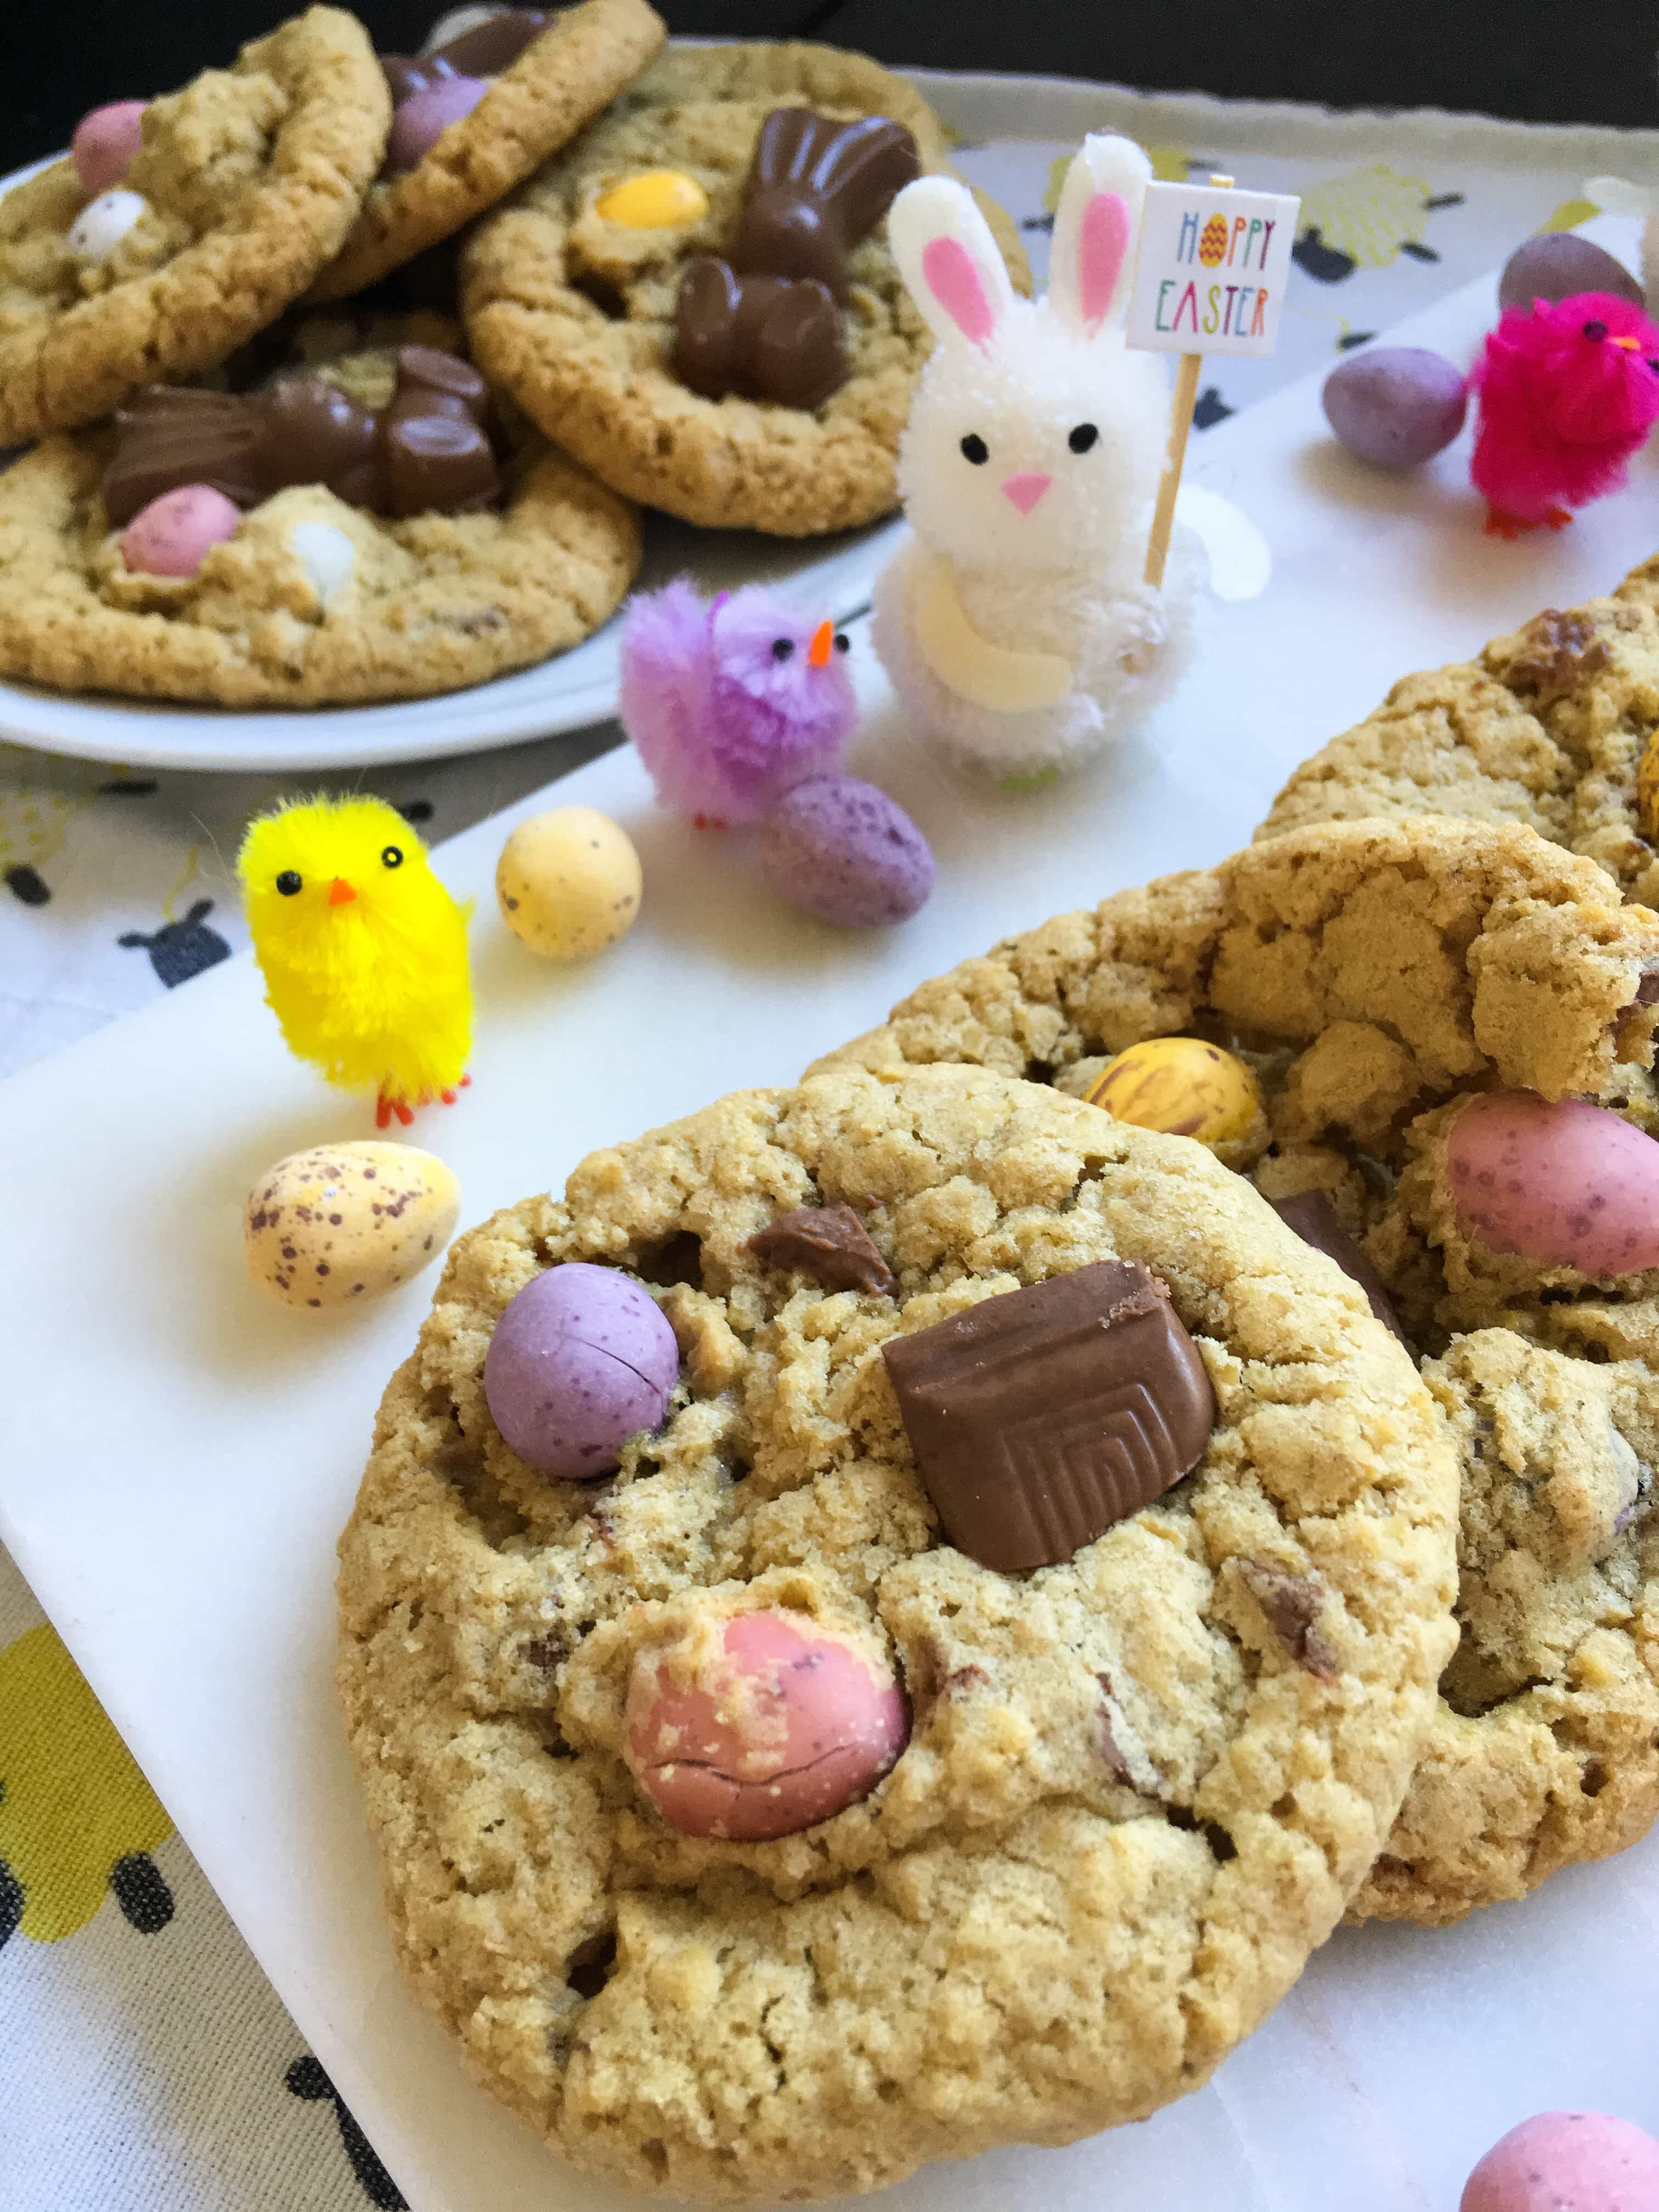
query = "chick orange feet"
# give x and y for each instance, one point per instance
(708, 822)
(385, 1107)
(1500, 524)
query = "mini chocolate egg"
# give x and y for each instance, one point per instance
(1558, 1181)
(656, 199)
(1567, 2162)
(843, 851)
(568, 883)
(342, 1222)
(1182, 1086)
(1396, 406)
(581, 1359)
(1558, 264)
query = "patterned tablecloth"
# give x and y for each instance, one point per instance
(146, 2065)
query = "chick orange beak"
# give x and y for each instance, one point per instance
(340, 892)
(817, 653)
(1630, 345)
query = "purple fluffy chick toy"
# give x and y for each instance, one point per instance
(734, 702)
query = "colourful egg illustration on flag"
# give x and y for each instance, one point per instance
(1213, 246)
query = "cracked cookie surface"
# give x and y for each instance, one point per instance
(1139, 1786)
(1375, 976)
(249, 178)
(1549, 727)
(574, 315)
(585, 54)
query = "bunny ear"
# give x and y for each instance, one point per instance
(948, 258)
(1095, 232)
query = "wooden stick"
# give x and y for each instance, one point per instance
(1181, 423)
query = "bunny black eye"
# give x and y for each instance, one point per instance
(391, 856)
(1595, 330)
(287, 883)
(783, 647)
(975, 449)
(1083, 437)
(844, 644)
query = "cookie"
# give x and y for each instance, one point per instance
(586, 54)
(1374, 978)
(1549, 727)
(308, 597)
(573, 312)
(246, 183)
(1085, 1823)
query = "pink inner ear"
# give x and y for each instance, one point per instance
(1102, 241)
(951, 277)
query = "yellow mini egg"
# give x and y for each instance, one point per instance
(342, 1222)
(568, 883)
(657, 199)
(1184, 1087)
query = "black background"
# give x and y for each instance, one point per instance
(1541, 60)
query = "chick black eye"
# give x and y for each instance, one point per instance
(783, 647)
(844, 643)
(975, 449)
(287, 883)
(1083, 437)
(1653, 365)
(391, 856)
(1595, 330)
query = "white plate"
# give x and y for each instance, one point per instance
(177, 1455)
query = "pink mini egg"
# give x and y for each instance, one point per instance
(422, 119)
(174, 534)
(105, 143)
(1561, 1181)
(1567, 2162)
(778, 1725)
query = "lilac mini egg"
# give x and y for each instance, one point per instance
(1396, 406)
(582, 1361)
(1561, 1181)
(1567, 2162)
(843, 851)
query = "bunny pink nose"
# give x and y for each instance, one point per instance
(1027, 489)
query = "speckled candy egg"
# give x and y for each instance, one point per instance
(1557, 264)
(581, 1359)
(1567, 2162)
(1396, 406)
(761, 1725)
(1184, 1087)
(568, 883)
(342, 1222)
(1560, 1182)
(843, 851)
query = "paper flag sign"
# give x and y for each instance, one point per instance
(1212, 269)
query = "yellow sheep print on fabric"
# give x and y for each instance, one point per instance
(72, 1801)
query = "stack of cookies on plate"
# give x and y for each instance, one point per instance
(892, 1616)
(344, 370)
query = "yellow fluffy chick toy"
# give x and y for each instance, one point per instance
(363, 950)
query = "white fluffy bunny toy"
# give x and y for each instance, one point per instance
(1015, 625)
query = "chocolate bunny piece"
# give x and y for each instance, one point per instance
(816, 187)
(429, 448)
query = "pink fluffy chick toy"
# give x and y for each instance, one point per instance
(1567, 392)
(733, 701)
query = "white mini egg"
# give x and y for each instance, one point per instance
(342, 1223)
(326, 554)
(104, 222)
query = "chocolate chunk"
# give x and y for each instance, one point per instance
(168, 436)
(489, 47)
(828, 1243)
(816, 187)
(313, 433)
(761, 337)
(1040, 1417)
(1560, 649)
(436, 461)
(1291, 1605)
(425, 369)
(1314, 1220)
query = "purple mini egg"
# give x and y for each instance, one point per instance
(1560, 1182)
(581, 1359)
(1395, 405)
(1556, 265)
(840, 850)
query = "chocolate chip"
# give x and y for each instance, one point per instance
(590, 1964)
(1040, 1417)
(1316, 1221)
(1292, 1605)
(1560, 648)
(1116, 1765)
(828, 1243)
